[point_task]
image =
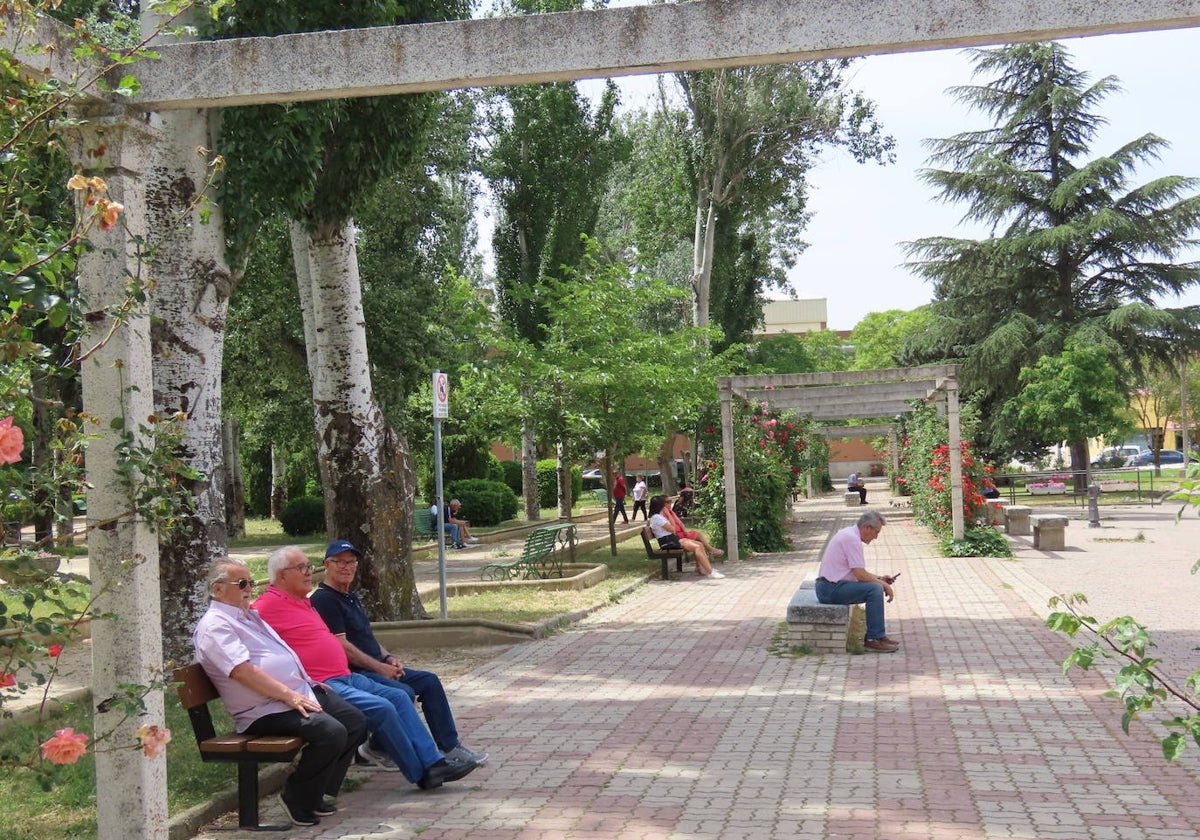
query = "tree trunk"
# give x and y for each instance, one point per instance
(565, 502)
(278, 487)
(235, 493)
(606, 472)
(702, 257)
(666, 464)
(368, 474)
(533, 511)
(1079, 464)
(189, 304)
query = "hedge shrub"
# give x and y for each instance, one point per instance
(303, 516)
(483, 502)
(547, 482)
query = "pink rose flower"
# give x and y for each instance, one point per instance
(154, 739)
(12, 441)
(66, 747)
(55, 651)
(7, 680)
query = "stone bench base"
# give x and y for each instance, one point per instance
(852, 499)
(1016, 520)
(1049, 532)
(823, 628)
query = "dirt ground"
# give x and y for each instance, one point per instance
(451, 663)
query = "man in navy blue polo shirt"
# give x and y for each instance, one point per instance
(343, 612)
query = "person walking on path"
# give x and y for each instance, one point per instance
(639, 498)
(843, 578)
(618, 495)
(267, 692)
(343, 613)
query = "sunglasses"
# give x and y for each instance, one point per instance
(241, 583)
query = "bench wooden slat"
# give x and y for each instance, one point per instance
(196, 691)
(656, 552)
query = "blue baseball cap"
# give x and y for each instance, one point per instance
(338, 546)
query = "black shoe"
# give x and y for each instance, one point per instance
(328, 806)
(442, 771)
(298, 816)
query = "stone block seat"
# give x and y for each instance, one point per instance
(1049, 532)
(1016, 520)
(852, 499)
(817, 627)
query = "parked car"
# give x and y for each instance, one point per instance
(1115, 456)
(1167, 456)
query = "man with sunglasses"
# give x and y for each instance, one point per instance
(343, 613)
(267, 692)
(391, 715)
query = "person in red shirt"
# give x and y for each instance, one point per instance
(618, 493)
(391, 716)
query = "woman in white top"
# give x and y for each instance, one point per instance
(663, 530)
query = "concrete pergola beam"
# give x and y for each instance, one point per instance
(870, 430)
(741, 385)
(915, 390)
(853, 410)
(625, 41)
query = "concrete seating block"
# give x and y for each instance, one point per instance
(1016, 520)
(1049, 532)
(810, 581)
(817, 627)
(852, 499)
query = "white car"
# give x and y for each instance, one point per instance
(1115, 455)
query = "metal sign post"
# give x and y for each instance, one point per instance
(441, 410)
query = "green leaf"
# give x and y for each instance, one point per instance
(1173, 746)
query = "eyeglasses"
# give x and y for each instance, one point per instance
(240, 583)
(303, 569)
(345, 561)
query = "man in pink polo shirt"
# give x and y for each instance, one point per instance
(391, 716)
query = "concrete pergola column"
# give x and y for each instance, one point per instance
(730, 469)
(122, 549)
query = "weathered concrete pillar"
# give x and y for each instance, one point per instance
(727, 437)
(131, 800)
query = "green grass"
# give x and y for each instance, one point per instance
(42, 801)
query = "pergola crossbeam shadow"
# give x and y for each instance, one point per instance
(844, 395)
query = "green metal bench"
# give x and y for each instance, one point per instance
(423, 523)
(542, 556)
(601, 496)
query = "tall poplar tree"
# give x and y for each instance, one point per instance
(1077, 248)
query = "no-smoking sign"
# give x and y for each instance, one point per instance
(441, 395)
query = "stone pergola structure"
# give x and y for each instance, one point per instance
(127, 141)
(844, 395)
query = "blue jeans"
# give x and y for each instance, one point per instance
(426, 687)
(393, 721)
(856, 592)
(452, 532)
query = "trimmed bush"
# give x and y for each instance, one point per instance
(303, 516)
(547, 479)
(483, 502)
(511, 471)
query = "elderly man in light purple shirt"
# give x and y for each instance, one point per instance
(844, 579)
(268, 692)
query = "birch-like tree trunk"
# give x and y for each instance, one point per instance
(278, 485)
(189, 305)
(367, 471)
(235, 492)
(529, 459)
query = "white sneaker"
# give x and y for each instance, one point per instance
(472, 539)
(379, 759)
(717, 575)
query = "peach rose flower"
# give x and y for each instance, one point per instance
(154, 739)
(12, 441)
(66, 747)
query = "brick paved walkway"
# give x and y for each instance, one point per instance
(668, 715)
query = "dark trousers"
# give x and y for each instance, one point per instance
(642, 507)
(619, 509)
(332, 736)
(426, 687)
(861, 489)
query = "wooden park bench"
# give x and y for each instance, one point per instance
(423, 523)
(542, 556)
(653, 552)
(196, 691)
